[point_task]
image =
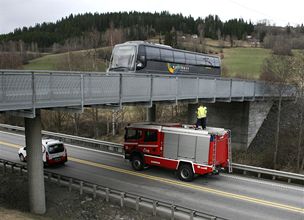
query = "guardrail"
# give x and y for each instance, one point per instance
(124, 199)
(117, 148)
(274, 174)
(30, 90)
(87, 142)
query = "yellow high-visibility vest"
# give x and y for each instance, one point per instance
(202, 112)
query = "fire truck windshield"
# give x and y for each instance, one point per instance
(123, 58)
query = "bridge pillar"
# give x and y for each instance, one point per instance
(151, 113)
(244, 119)
(35, 164)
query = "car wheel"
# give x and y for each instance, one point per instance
(185, 172)
(137, 163)
(22, 158)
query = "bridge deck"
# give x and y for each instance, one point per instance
(25, 90)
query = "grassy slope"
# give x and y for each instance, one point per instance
(47, 62)
(53, 61)
(244, 62)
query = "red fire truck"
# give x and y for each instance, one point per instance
(178, 147)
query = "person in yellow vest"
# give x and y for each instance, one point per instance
(201, 117)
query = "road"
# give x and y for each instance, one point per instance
(228, 196)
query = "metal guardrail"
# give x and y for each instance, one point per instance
(273, 173)
(124, 199)
(117, 148)
(30, 90)
(87, 142)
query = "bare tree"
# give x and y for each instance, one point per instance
(201, 31)
(278, 70)
(114, 35)
(94, 39)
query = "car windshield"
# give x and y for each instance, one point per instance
(123, 58)
(55, 148)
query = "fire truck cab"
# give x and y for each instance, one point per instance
(178, 147)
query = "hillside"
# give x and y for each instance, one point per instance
(237, 62)
(131, 26)
(82, 60)
(244, 62)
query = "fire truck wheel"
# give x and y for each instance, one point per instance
(137, 163)
(185, 172)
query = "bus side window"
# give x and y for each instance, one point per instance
(200, 60)
(217, 62)
(166, 55)
(190, 58)
(179, 57)
(152, 53)
(203, 60)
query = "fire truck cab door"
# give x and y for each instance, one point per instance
(150, 143)
(132, 137)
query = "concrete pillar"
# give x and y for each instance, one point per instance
(35, 164)
(232, 116)
(151, 114)
(192, 108)
(244, 119)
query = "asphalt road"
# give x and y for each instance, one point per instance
(228, 196)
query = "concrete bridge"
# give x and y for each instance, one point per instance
(240, 105)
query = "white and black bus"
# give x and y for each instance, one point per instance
(140, 56)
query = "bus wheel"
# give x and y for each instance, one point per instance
(137, 163)
(185, 172)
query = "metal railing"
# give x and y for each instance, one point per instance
(87, 142)
(117, 148)
(274, 174)
(29, 90)
(153, 206)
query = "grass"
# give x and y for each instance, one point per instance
(47, 62)
(81, 61)
(244, 62)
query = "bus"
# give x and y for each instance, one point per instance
(145, 57)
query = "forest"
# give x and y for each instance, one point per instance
(136, 25)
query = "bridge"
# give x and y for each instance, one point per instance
(246, 102)
(24, 93)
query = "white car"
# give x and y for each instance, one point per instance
(54, 152)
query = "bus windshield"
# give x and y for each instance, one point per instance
(123, 58)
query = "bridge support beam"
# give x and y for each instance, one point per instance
(151, 114)
(35, 164)
(244, 119)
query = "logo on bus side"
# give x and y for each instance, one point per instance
(177, 68)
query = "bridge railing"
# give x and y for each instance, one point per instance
(41, 89)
